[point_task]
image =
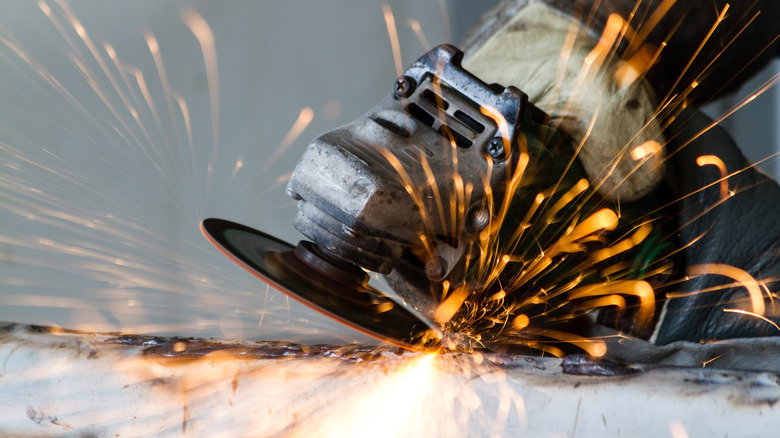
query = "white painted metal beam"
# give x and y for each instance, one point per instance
(54, 382)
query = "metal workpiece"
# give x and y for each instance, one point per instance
(419, 175)
(59, 383)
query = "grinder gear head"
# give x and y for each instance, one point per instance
(455, 190)
(416, 179)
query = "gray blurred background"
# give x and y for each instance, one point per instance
(102, 184)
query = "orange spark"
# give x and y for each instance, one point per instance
(623, 245)
(392, 32)
(641, 289)
(446, 310)
(712, 160)
(721, 17)
(649, 25)
(745, 312)
(607, 301)
(284, 177)
(634, 68)
(445, 15)
(205, 36)
(709, 361)
(604, 219)
(594, 347)
(646, 149)
(573, 192)
(332, 109)
(521, 321)
(415, 25)
(304, 118)
(740, 276)
(154, 49)
(677, 429)
(614, 29)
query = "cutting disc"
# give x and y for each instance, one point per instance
(354, 304)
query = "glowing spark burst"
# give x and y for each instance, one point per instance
(404, 392)
(563, 243)
(82, 206)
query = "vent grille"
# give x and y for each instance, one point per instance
(445, 116)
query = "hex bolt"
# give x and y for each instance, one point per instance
(404, 87)
(495, 148)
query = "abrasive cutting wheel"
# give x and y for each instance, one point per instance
(323, 282)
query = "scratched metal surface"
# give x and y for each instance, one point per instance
(56, 382)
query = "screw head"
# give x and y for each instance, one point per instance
(495, 148)
(436, 269)
(404, 87)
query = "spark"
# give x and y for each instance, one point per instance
(740, 276)
(392, 33)
(557, 211)
(239, 165)
(615, 27)
(445, 15)
(447, 309)
(205, 37)
(698, 50)
(644, 30)
(709, 361)
(154, 49)
(753, 314)
(646, 149)
(332, 109)
(608, 301)
(677, 429)
(641, 289)
(622, 246)
(594, 347)
(521, 321)
(713, 160)
(415, 25)
(137, 274)
(304, 118)
(630, 71)
(402, 391)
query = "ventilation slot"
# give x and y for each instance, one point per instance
(420, 114)
(468, 121)
(445, 131)
(435, 99)
(459, 139)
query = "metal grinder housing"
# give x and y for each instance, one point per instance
(406, 189)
